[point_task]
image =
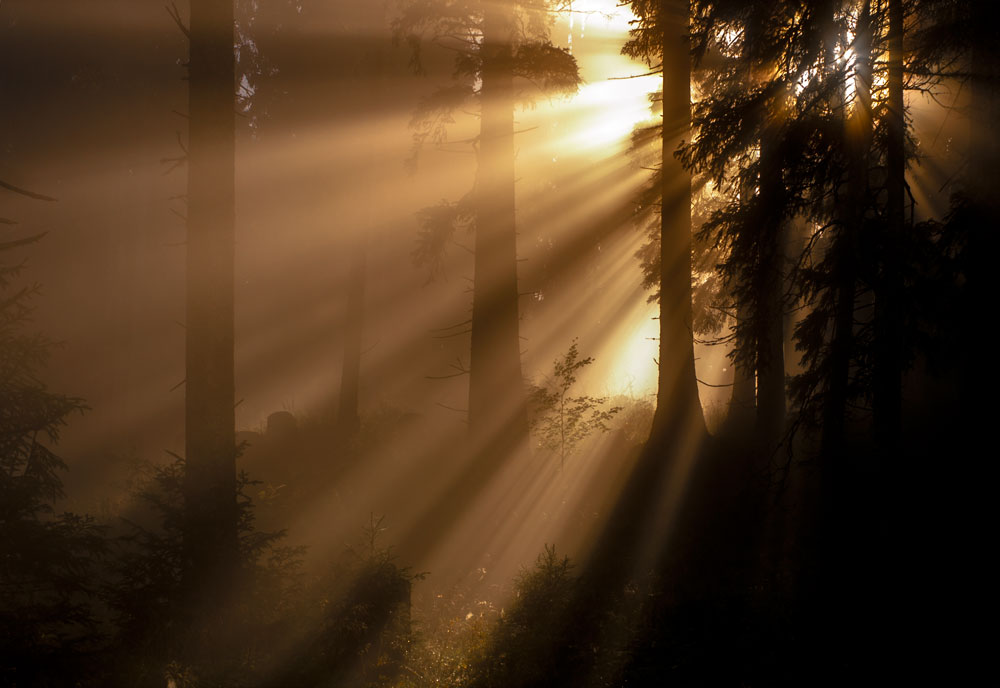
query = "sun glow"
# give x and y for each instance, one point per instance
(634, 370)
(589, 134)
(608, 111)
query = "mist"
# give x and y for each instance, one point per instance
(487, 343)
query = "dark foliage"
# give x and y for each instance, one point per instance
(529, 646)
(148, 599)
(48, 627)
(355, 628)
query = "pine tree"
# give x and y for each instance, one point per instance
(663, 33)
(503, 52)
(47, 560)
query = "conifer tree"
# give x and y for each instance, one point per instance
(503, 54)
(661, 38)
(47, 560)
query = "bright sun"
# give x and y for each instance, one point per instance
(615, 95)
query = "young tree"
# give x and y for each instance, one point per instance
(563, 421)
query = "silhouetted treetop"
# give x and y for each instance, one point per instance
(538, 66)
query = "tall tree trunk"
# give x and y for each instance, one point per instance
(768, 310)
(496, 389)
(348, 417)
(984, 148)
(982, 176)
(887, 400)
(678, 406)
(837, 526)
(372, 95)
(743, 402)
(858, 132)
(210, 533)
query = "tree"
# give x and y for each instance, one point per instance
(530, 645)
(501, 47)
(348, 416)
(780, 146)
(47, 561)
(148, 594)
(374, 95)
(358, 630)
(887, 393)
(562, 421)
(662, 31)
(210, 528)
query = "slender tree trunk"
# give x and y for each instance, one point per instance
(743, 402)
(678, 406)
(348, 417)
(496, 389)
(837, 526)
(982, 177)
(984, 148)
(372, 95)
(210, 532)
(887, 400)
(768, 310)
(858, 131)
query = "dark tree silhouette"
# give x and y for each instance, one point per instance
(210, 528)
(663, 33)
(889, 357)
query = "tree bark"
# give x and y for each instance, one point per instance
(858, 132)
(984, 148)
(743, 402)
(770, 306)
(768, 281)
(210, 532)
(887, 399)
(678, 406)
(372, 95)
(496, 389)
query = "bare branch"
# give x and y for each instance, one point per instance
(176, 16)
(700, 381)
(25, 192)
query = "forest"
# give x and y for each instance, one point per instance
(495, 343)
